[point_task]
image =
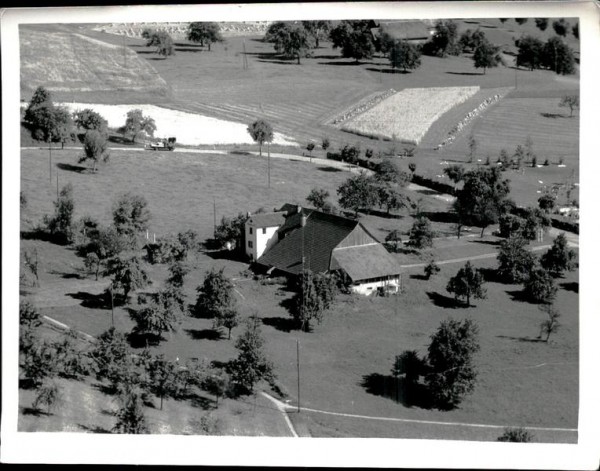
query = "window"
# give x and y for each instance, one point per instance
(250, 243)
(264, 230)
(250, 230)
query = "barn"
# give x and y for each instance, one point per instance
(297, 239)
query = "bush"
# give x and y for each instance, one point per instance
(515, 435)
(420, 235)
(539, 286)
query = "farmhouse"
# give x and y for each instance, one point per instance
(296, 238)
(409, 30)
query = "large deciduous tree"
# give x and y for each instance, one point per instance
(204, 33)
(444, 41)
(131, 216)
(486, 56)
(354, 38)
(404, 55)
(137, 122)
(88, 119)
(421, 234)
(571, 102)
(95, 148)
(539, 286)
(515, 261)
(60, 224)
(530, 53)
(292, 40)
(162, 41)
(318, 197)
(260, 131)
(315, 294)
(450, 357)
(128, 274)
(215, 295)
(559, 258)
(559, 57)
(318, 29)
(358, 192)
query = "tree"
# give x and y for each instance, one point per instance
(228, 318)
(486, 56)
(472, 148)
(547, 202)
(63, 125)
(450, 358)
(431, 269)
(539, 286)
(127, 274)
(315, 294)
(319, 30)
(261, 132)
(470, 40)
(111, 357)
(420, 235)
(444, 41)
(354, 38)
(530, 53)
(515, 262)
(390, 197)
(359, 191)
(404, 55)
(293, 40)
(204, 32)
(571, 102)
(32, 264)
(215, 381)
(561, 27)
(38, 363)
(516, 434)
(215, 295)
(575, 30)
(251, 364)
(29, 321)
(455, 173)
(318, 197)
(89, 120)
(162, 377)
(483, 198)
(103, 243)
(412, 167)
(60, 224)
(388, 172)
(557, 56)
(131, 216)
(155, 318)
(163, 42)
(48, 395)
(231, 230)
(137, 122)
(467, 283)
(559, 258)
(95, 148)
(409, 364)
(521, 21)
(325, 144)
(394, 237)
(541, 23)
(535, 220)
(550, 325)
(309, 147)
(130, 416)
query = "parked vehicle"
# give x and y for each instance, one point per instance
(162, 144)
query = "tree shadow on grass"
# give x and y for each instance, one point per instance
(444, 301)
(521, 339)
(187, 49)
(520, 297)
(73, 168)
(570, 286)
(104, 389)
(465, 73)
(93, 429)
(441, 216)
(329, 169)
(35, 412)
(343, 63)
(283, 324)
(397, 389)
(201, 402)
(388, 71)
(553, 115)
(137, 340)
(68, 276)
(204, 334)
(490, 275)
(495, 243)
(419, 277)
(282, 62)
(37, 234)
(92, 301)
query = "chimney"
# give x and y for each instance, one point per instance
(298, 209)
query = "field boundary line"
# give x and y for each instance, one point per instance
(281, 407)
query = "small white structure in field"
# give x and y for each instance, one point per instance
(261, 232)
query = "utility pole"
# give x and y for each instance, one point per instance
(50, 161)
(269, 163)
(57, 187)
(298, 369)
(214, 217)
(112, 305)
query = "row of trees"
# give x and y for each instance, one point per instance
(554, 54)
(203, 33)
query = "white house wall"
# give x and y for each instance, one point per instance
(368, 288)
(260, 242)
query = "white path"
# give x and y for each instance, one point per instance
(282, 407)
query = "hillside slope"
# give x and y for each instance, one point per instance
(85, 65)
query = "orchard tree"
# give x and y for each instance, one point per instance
(431, 269)
(162, 377)
(390, 198)
(130, 415)
(547, 202)
(162, 41)
(154, 319)
(131, 216)
(515, 261)
(319, 30)
(215, 295)
(354, 38)
(486, 56)
(388, 172)
(315, 294)
(261, 132)
(318, 197)
(575, 30)
(48, 395)
(559, 258)
(228, 318)
(455, 173)
(404, 55)
(47, 122)
(571, 102)
(561, 27)
(88, 120)
(204, 33)
(470, 40)
(231, 230)
(541, 23)
(293, 40)
(444, 41)
(539, 286)
(215, 382)
(483, 197)
(111, 357)
(251, 364)
(137, 122)
(128, 274)
(521, 21)
(467, 283)
(394, 238)
(359, 191)
(535, 220)
(550, 325)
(309, 147)
(420, 235)
(530, 53)
(450, 358)
(103, 244)
(60, 225)
(95, 148)
(325, 144)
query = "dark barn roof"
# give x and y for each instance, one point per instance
(317, 239)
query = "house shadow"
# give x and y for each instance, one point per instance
(521, 339)
(397, 389)
(570, 286)
(204, 334)
(446, 302)
(282, 324)
(92, 301)
(72, 168)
